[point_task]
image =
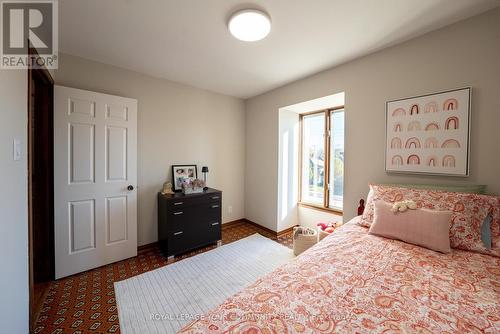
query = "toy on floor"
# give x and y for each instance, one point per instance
(326, 229)
(330, 225)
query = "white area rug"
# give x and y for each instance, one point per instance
(166, 299)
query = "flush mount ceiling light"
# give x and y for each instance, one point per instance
(249, 25)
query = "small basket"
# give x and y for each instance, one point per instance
(303, 239)
(322, 234)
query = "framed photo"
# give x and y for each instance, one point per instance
(429, 134)
(181, 173)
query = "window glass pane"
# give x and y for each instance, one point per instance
(313, 158)
(336, 159)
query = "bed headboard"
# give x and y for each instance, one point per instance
(361, 207)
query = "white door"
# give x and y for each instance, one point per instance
(95, 173)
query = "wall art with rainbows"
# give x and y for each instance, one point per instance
(429, 134)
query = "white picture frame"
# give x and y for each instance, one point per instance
(429, 134)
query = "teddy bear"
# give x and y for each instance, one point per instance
(402, 206)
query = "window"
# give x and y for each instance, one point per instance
(322, 159)
(336, 195)
(313, 159)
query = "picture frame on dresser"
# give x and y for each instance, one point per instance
(429, 134)
(181, 173)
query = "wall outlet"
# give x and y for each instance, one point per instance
(230, 209)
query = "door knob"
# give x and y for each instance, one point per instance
(130, 188)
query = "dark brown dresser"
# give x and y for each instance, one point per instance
(190, 221)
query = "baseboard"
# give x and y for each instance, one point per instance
(274, 233)
(147, 246)
(286, 231)
(247, 221)
(233, 223)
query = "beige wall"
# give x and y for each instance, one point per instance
(311, 217)
(177, 124)
(463, 54)
(288, 169)
(14, 306)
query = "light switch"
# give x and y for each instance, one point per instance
(17, 150)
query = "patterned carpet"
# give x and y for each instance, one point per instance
(85, 303)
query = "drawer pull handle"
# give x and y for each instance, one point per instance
(215, 197)
(178, 203)
(213, 224)
(215, 206)
(178, 213)
(178, 233)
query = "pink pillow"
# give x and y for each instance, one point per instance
(426, 228)
(469, 211)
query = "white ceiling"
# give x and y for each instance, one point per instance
(187, 40)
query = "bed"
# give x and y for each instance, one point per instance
(354, 282)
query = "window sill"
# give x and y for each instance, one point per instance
(320, 208)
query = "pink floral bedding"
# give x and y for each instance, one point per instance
(469, 211)
(353, 282)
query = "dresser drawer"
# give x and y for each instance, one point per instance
(215, 197)
(214, 230)
(196, 215)
(179, 218)
(213, 206)
(187, 201)
(192, 236)
(183, 202)
(177, 204)
(177, 241)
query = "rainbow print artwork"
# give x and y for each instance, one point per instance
(429, 134)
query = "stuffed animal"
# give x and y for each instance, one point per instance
(328, 227)
(402, 206)
(323, 226)
(167, 188)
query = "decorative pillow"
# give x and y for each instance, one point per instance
(469, 211)
(367, 216)
(486, 231)
(495, 226)
(426, 228)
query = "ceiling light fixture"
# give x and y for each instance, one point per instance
(249, 25)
